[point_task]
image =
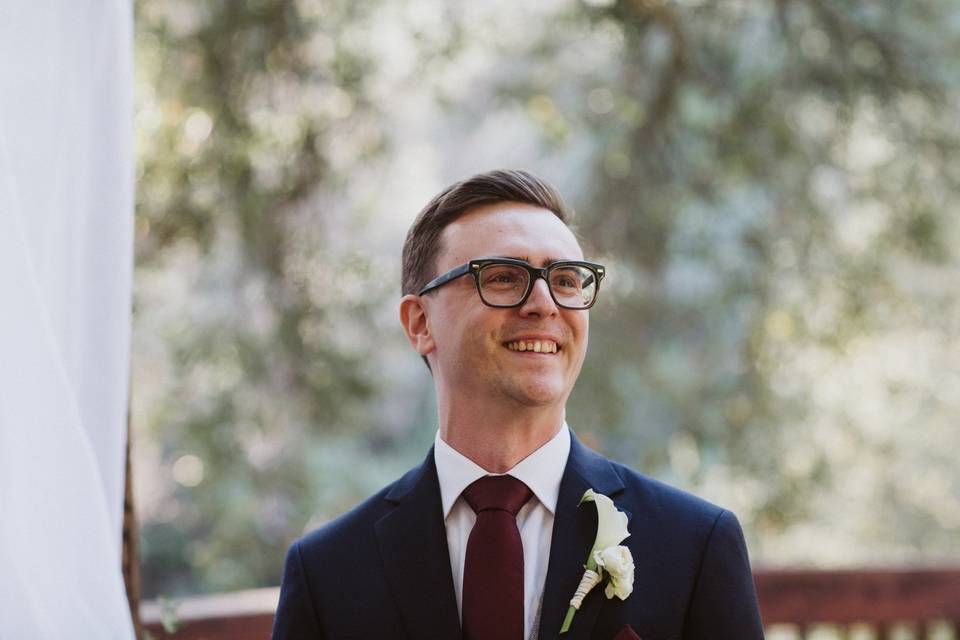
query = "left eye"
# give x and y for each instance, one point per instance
(567, 279)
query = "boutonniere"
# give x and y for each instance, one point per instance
(607, 557)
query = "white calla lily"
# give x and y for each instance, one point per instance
(611, 522)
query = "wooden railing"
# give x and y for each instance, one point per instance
(240, 615)
(911, 603)
(919, 604)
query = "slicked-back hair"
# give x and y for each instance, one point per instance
(423, 243)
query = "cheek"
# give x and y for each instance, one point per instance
(579, 328)
(462, 333)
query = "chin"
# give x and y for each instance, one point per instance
(538, 393)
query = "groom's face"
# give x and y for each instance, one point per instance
(475, 346)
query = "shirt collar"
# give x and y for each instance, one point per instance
(541, 470)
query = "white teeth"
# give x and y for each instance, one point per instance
(537, 346)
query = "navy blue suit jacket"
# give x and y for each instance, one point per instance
(383, 569)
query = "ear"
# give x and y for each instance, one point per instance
(413, 318)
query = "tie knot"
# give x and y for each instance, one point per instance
(505, 493)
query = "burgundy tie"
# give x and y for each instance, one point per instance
(493, 568)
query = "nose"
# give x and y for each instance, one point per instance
(540, 303)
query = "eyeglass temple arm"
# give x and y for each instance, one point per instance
(445, 278)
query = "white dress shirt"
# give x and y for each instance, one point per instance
(541, 471)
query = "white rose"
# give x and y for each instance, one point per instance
(618, 562)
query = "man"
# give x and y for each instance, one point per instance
(485, 540)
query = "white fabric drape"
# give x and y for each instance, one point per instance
(66, 205)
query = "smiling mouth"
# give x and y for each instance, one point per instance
(537, 346)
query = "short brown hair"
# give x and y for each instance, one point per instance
(423, 245)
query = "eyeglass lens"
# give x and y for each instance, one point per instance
(505, 284)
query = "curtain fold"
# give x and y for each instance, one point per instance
(66, 216)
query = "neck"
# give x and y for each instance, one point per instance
(498, 438)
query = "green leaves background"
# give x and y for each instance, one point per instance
(769, 183)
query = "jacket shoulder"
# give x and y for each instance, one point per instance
(350, 524)
(358, 523)
(661, 501)
(328, 567)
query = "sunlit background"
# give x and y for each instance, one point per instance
(772, 186)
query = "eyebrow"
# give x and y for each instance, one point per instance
(548, 261)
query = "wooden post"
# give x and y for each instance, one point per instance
(131, 547)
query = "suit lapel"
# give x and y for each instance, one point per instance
(574, 531)
(413, 545)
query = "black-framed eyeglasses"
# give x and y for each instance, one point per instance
(507, 282)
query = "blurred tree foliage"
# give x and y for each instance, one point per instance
(773, 180)
(768, 181)
(250, 118)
